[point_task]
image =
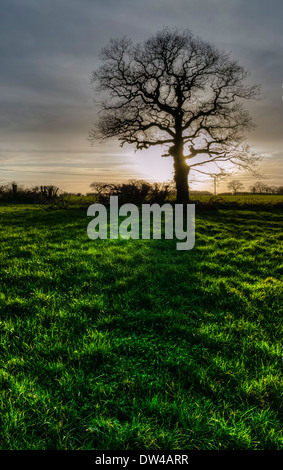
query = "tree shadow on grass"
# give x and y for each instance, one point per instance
(138, 328)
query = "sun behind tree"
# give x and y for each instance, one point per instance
(181, 92)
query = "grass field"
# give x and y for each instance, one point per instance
(239, 199)
(246, 199)
(133, 345)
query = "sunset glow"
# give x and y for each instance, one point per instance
(47, 106)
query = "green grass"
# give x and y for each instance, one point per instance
(242, 199)
(239, 199)
(134, 345)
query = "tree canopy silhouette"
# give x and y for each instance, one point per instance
(178, 91)
(235, 186)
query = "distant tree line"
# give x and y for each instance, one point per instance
(261, 188)
(134, 191)
(257, 188)
(49, 194)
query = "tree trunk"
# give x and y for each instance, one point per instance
(181, 180)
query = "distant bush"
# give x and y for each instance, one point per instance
(135, 192)
(48, 195)
(261, 188)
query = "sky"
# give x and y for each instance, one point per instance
(49, 49)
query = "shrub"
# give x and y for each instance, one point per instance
(135, 192)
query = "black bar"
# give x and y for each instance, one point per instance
(138, 459)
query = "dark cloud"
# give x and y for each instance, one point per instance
(48, 49)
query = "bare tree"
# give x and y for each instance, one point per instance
(235, 186)
(273, 189)
(259, 188)
(180, 92)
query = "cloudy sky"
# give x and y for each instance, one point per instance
(49, 49)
